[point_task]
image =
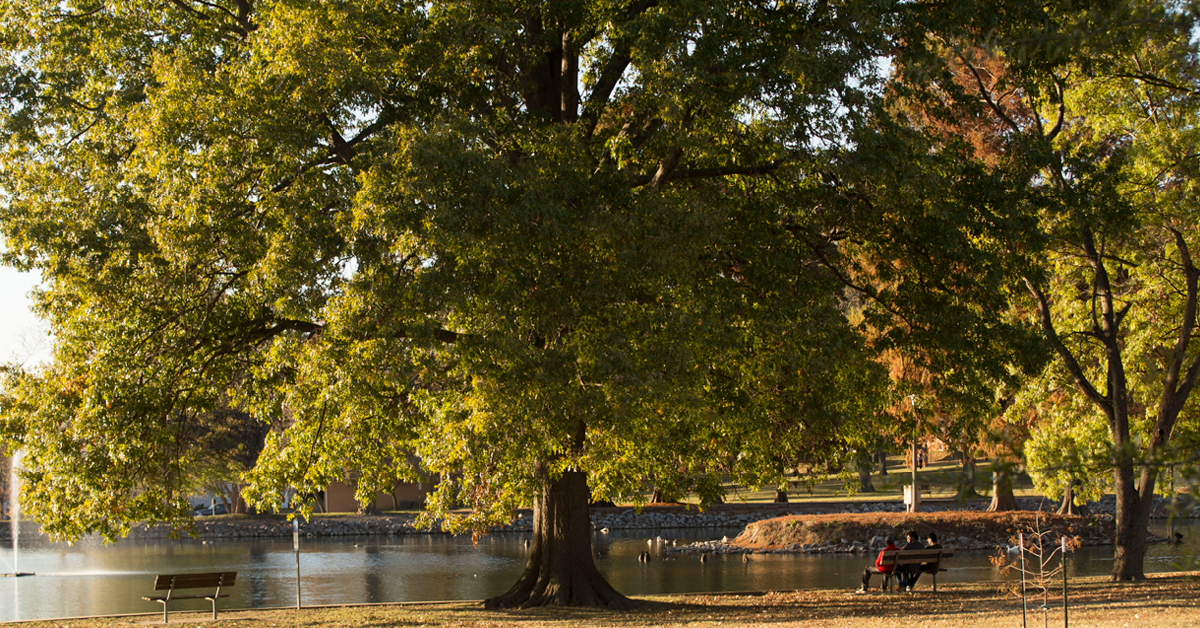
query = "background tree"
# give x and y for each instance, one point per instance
(1068, 460)
(1083, 112)
(227, 443)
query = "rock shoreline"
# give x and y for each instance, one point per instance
(618, 518)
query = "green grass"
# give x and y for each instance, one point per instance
(942, 477)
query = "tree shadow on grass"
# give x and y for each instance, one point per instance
(789, 607)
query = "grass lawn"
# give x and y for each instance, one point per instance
(942, 475)
(1163, 601)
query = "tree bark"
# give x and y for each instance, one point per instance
(1068, 506)
(1003, 499)
(663, 496)
(883, 469)
(561, 570)
(966, 489)
(863, 465)
(781, 496)
(1132, 522)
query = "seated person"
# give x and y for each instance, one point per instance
(931, 543)
(906, 574)
(878, 567)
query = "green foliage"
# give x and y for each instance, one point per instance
(1070, 449)
(400, 234)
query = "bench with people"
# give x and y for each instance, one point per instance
(906, 564)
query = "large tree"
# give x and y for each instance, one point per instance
(541, 248)
(1118, 294)
(1088, 118)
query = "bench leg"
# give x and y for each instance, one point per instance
(214, 603)
(164, 603)
(935, 582)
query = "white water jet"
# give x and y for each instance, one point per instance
(14, 509)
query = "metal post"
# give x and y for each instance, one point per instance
(1024, 605)
(912, 507)
(1174, 505)
(1066, 624)
(296, 547)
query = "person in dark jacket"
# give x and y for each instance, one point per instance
(930, 543)
(889, 545)
(906, 574)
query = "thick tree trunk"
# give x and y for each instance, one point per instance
(1132, 522)
(1068, 506)
(561, 570)
(781, 496)
(966, 485)
(1003, 499)
(883, 470)
(663, 496)
(863, 465)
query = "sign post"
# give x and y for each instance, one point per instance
(296, 547)
(1066, 624)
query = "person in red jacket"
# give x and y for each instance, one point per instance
(878, 566)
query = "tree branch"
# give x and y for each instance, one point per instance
(985, 94)
(1102, 288)
(713, 173)
(336, 152)
(568, 82)
(1175, 391)
(666, 167)
(1062, 109)
(1157, 81)
(1056, 342)
(613, 70)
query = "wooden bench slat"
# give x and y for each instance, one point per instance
(906, 557)
(195, 580)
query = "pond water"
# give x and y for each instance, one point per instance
(90, 578)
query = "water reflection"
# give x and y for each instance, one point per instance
(90, 578)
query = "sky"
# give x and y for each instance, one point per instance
(23, 337)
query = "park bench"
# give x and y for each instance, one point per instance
(931, 559)
(172, 583)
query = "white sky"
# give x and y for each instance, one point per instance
(23, 337)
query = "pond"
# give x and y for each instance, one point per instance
(90, 578)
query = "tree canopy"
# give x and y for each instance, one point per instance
(1087, 124)
(545, 251)
(502, 242)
